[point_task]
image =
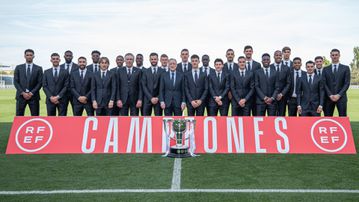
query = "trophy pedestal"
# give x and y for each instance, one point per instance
(179, 152)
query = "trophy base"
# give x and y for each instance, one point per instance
(179, 152)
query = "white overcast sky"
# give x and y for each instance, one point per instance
(309, 27)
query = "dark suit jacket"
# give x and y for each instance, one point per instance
(266, 86)
(132, 88)
(255, 66)
(104, 90)
(81, 87)
(336, 84)
(217, 88)
(74, 67)
(91, 67)
(226, 66)
(291, 89)
(169, 94)
(289, 65)
(151, 83)
(309, 97)
(54, 88)
(196, 91)
(242, 88)
(284, 79)
(180, 68)
(202, 69)
(21, 82)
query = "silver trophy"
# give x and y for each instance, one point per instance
(179, 130)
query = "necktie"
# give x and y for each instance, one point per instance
(129, 74)
(249, 66)
(103, 75)
(68, 67)
(335, 69)
(173, 78)
(154, 71)
(267, 73)
(195, 76)
(230, 67)
(55, 75)
(319, 72)
(310, 80)
(82, 75)
(296, 78)
(206, 70)
(219, 77)
(185, 67)
(277, 68)
(286, 64)
(28, 72)
(96, 68)
(242, 74)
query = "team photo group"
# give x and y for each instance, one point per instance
(237, 86)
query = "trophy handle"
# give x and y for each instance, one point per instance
(190, 130)
(166, 127)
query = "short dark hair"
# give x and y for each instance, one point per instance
(318, 57)
(309, 62)
(82, 57)
(29, 50)
(55, 54)
(229, 49)
(265, 54)
(241, 57)
(297, 58)
(164, 56)
(184, 50)
(194, 57)
(218, 60)
(68, 51)
(247, 47)
(104, 58)
(95, 51)
(286, 48)
(154, 54)
(139, 54)
(334, 50)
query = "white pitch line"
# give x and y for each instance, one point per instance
(176, 177)
(86, 191)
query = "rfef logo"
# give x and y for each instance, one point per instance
(34, 135)
(329, 135)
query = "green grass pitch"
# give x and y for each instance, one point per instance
(220, 171)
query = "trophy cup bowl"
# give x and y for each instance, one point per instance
(179, 127)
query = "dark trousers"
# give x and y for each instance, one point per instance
(241, 111)
(115, 110)
(199, 111)
(103, 111)
(148, 106)
(68, 99)
(173, 111)
(282, 106)
(52, 108)
(79, 108)
(129, 107)
(270, 109)
(34, 106)
(341, 105)
(309, 113)
(253, 107)
(213, 110)
(292, 107)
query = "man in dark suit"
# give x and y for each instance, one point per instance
(310, 93)
(55, 84)
(218, 87)
(139, 61)
(119, 62)
(81, 88)
(286, 57)
(336, 79)
(172, 93)
(251, 65)
(70, 67)
(151, 87)
(242, 88)
(104, 89)
(230, 66)
(28, 82)
(196, 88)
(207, 70)
(129, 93)
(184, 65)
(284, 83)
(267, 85)
(95, 66)
(318, 65)
(295, 74)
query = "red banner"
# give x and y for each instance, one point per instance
(58, 135)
